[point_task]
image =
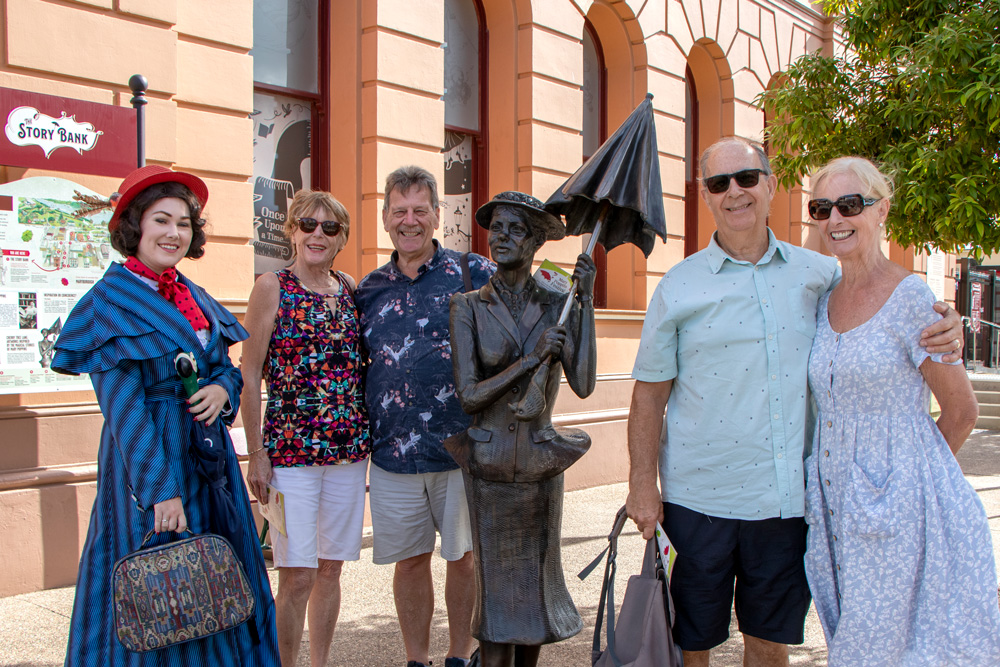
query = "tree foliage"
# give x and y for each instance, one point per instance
(918, 91)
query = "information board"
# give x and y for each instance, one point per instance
(49, 258)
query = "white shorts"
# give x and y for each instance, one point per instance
(407, 511)
(324, 513)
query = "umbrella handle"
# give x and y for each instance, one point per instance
(187, 370)
(564, 315)
(533, 401)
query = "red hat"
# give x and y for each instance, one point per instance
(143, 177)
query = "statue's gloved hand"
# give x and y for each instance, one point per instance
(584, 274)
(550, 344)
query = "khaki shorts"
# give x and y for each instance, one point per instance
(408, 511)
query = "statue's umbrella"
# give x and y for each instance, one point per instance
(617, 194)
(208, 451)
(617, 197)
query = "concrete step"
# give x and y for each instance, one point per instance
(982, 384)
(989, 423)
(989, 410)
(987, 397)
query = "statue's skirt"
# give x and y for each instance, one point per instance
(522, 593)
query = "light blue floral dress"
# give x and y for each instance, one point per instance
(900, 559)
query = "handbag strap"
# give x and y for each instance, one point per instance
(607, 599)
(466, 272)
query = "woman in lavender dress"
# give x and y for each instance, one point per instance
(900, 560)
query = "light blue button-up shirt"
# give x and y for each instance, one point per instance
(735, 339)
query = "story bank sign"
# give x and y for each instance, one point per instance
(27, 126)
(62, 134)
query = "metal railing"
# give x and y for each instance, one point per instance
(994, 359)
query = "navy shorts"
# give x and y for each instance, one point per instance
(760, 560)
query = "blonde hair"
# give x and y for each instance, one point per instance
(307, 201)
(878, 185)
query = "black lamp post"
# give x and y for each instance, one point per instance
(139, 84)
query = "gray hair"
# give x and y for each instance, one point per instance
(765, 164)
(404, 178)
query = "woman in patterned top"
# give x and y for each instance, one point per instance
(126, 332)
(314, 445)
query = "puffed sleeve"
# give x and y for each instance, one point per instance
(229, 378)
(224, 373)
(99, 333)
(915, 308)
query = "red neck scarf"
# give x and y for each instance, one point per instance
(175, 292)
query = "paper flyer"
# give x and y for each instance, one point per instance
(274, 510)
(553, 278)
(667, 552)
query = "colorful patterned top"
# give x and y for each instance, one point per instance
(315, 411)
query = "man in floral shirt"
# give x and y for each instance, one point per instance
(416, 487)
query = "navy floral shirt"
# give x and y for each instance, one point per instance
(410, 386)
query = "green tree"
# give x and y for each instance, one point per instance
(918, 91)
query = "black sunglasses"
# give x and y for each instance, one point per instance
(747, 178)
(848, 205)
(330, 227)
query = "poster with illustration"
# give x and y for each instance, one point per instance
(50, 255)
(456, 205)
(282, 165)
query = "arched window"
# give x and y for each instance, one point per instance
(595, 131)
(464, 120)
(692, 152)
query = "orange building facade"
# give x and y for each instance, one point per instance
(264, 97)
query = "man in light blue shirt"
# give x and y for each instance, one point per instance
(725, 345)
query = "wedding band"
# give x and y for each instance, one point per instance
(164, 521)
(958, 344)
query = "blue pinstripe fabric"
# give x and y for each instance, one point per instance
(126, 335)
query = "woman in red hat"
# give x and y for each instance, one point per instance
(126, 332)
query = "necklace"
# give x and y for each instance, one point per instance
(332, 288)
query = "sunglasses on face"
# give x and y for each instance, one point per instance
(747, 178)
(330, 227)
(848, 205)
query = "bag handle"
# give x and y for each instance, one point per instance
(608, 588)
(149, 536)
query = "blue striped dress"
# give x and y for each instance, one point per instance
(126, 335)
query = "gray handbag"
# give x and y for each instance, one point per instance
(641, 637)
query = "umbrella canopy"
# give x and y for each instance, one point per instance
(624, 175)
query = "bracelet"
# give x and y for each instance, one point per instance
(259, 449)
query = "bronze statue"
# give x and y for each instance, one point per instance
(512, 457)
